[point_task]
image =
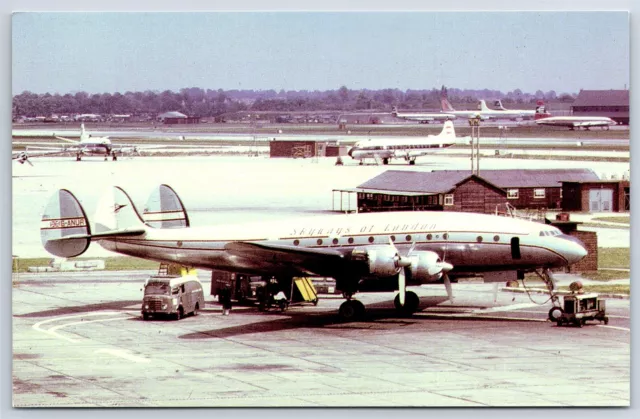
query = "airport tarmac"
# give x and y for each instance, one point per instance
(230, 189)
(79, 341)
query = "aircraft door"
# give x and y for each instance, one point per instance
(515, 248)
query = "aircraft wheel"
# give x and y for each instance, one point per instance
(78, 158)
(555, 313)
(412, 162)
(115, 158)
(411, 303)
(351, 310)
(385, 161)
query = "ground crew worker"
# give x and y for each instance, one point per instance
(225, 300)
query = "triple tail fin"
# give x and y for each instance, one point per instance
(164, 209)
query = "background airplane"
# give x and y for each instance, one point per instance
(94, 146)
(572, 122)
(408, 149)
(448, 109)
(363, 252)
(524, 113)
(422, 117)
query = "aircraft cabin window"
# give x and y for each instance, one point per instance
(350, 240)
(335, 241)
(408, 237)
(296, 242)
(496, 238)
(393, 238)
(429, 236)
(371, 239)
(319, 241)
(479, 239)
(445, 236)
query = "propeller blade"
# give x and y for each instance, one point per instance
(28, 161)
(447, 285)
(402, 285)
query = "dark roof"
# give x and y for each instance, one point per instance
(602, 98)
(445, 180)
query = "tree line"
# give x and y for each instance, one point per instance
(199, 102)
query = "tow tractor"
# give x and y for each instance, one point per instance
(578, 308)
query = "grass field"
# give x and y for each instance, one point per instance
(618, 219)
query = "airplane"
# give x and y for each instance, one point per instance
(94, 146)
(380, 252)
(448, 109)
(423, 118)
(503, 113)
(523, 113)
(408, 149)
(23, 157)
(572, 122)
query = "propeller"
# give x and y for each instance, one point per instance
(446, 267)
(401, 263)
(24, 157)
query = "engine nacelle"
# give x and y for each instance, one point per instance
(425, 267)
(382, 260)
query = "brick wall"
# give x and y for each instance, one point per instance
(590, 262)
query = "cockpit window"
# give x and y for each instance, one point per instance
(554, 232)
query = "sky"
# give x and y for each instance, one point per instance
(118, 52)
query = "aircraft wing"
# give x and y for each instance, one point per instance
(316, 261)
(589, 123)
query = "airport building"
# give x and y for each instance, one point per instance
(460, 190)
(610, 103)
(177, 118)
(297, 148)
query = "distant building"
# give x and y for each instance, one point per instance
(611, 103)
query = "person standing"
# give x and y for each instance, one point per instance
(225, 300)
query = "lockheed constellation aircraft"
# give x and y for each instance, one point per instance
(382, 251)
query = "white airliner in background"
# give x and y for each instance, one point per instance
(503, 113)
(408, 149)
(523, 113)
(572, 122)
(91, 146)
(448, 109)
(384, 251)
(422, 117)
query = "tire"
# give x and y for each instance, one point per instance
(555, 313)
(606, 320)
(351, 310)
(411, 304)
(195, 310)
(145, 316)
(179, 313)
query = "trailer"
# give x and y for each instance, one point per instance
(578, 308)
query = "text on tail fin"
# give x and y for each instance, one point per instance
(64, 217)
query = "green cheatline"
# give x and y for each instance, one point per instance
(124, 263)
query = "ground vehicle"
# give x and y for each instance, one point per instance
(578, 308)
(172, 296)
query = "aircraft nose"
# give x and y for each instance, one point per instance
(350, 152)
(575, 250)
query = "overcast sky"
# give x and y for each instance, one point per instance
(119, 52)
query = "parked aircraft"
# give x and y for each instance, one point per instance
(423, 118)
(24, 156)
(93, 146)
(513, 114)
(448, 109)
(408, 149)
(572, 122)
(524, 113)
(363, 252)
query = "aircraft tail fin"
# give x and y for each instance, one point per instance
(498, 104)
(394, 111)
(482, 106)
(448, 132)
(445, 105)
(541, 111)
(164, 209)
(64, 229)
(116, 212)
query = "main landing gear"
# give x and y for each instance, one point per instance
(353, 310)
(547, 277)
